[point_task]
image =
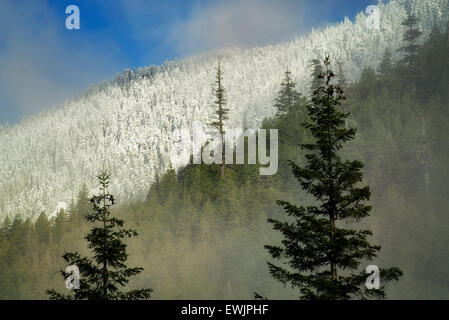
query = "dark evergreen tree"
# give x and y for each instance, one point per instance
(433, 66)
(83, 206)
(317, 69)
(221, 113)
(368, 83)
(18, 234)
(411, 50)
(59, 225)
(6, 227)
(43, 228)
(103, 275)
(411, 36)
(435, 36)
(386, 65)
(287, 99)
(342, 82)
(323, 257)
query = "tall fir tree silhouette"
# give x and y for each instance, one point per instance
(410, 38)
(386, 65)
(317, 70)
(288, 97)
(220, 114)
(104, 275)
(342, 82)
(411, 49)
(323, 257)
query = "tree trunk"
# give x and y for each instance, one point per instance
(447, 35)
(222, 154)
(333, 264)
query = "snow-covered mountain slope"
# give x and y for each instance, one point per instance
(126, 124)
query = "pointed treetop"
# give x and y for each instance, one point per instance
(288, 97)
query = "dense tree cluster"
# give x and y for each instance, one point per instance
(323, 256)
(105, 273)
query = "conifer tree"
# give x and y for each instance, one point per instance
(322, 256)
(82, 203)
(317, 69)
(221, 112)
(59, 225)
(342, 82)
(18, 234)
(43, 228)
(386, 65)
(368, 83)
(80, 208)
(411, 36)
(104, 274)
(434, 61)
(287, 98)
(435, 37)
(411, 50)
(6, 227)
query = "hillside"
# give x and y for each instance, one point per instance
(202, 236)
(47, 158)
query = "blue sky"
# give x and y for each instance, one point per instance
(42, 63)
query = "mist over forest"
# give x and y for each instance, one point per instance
(202, 231)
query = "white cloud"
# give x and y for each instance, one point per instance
(237, 23)
(41, 63)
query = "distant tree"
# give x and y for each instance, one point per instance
(368, 83)
(81, 207)
(17, 234)
(410, 38)
(43, 228)
(435, 37)
(59, 225)
(411, 50)
(386, 65)
(433, 64)
(287, 99)
(317, 69)
(167, 187)
(103, 275)
(6, 227)
(82, 202)
(221, 112)
(322, 256)
(342, 82)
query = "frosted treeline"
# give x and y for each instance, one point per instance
(125, 125)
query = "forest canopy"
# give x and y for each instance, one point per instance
(202, 236)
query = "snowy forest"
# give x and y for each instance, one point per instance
(47, 158)
(201, 235)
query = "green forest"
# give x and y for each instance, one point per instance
(201, 235)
